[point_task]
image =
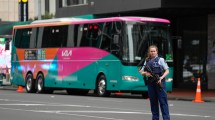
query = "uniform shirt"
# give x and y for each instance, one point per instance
(161, 62)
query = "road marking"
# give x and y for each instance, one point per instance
(120, 110)
(55, 105)
(104, 100)
(57, 112)
(60, 104)
(21, 104)
(188, 115)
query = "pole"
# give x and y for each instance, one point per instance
(39, 10)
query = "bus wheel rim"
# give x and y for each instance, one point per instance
(101, 87)
(40, 84)
(29, 82)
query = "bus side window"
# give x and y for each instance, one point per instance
(47, 37)
(62, 35)
(22, 38)
(90, 35)
(116, 38)
(55, 36)
(18, 34)
(106, 36)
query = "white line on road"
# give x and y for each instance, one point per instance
(104, 100)
(188, 115)
(57, 112)
(53, 105)
(119, 110)
(21, 104)
(69, 105)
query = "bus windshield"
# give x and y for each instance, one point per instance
(140, 35)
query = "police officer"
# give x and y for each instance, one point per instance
(156, 94)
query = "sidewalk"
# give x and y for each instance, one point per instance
(189, 95)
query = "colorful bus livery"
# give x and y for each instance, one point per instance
(81, 55)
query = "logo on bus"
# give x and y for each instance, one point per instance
(66, 53)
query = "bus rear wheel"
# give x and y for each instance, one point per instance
(101, 87)
(40, 85)
(30, 83)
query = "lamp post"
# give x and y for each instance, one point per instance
(23, 10)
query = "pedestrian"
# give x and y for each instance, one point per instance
(156, 94)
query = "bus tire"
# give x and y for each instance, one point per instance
(30, 83)
(40, 85)
(101, 87)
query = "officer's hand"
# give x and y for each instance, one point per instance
(159, 81)
(148, 74)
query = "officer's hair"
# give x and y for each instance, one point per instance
(151, 46)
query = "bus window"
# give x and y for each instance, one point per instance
(55, 36)
(111, 37)
(22, 38)
(90, 35)
(116, 38)
(106, 36)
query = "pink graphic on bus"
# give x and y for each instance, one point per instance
(71, 60)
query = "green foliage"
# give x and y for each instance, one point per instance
(47, 15)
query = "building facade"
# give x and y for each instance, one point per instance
(9, 9)
(192, 27)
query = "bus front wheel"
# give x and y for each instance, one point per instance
(101, 87)
(30, 83)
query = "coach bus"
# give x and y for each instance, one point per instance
(79, 55)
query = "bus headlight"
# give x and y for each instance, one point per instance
(130, 78)
(169, 80)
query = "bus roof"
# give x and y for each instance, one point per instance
(65, 21)
(57, 20)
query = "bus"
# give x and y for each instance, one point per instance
(79, 55)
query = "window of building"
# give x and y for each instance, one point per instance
(66, 3)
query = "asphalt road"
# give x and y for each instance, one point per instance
(60, 106)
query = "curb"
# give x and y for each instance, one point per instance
(207, 99)
(8, 87)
